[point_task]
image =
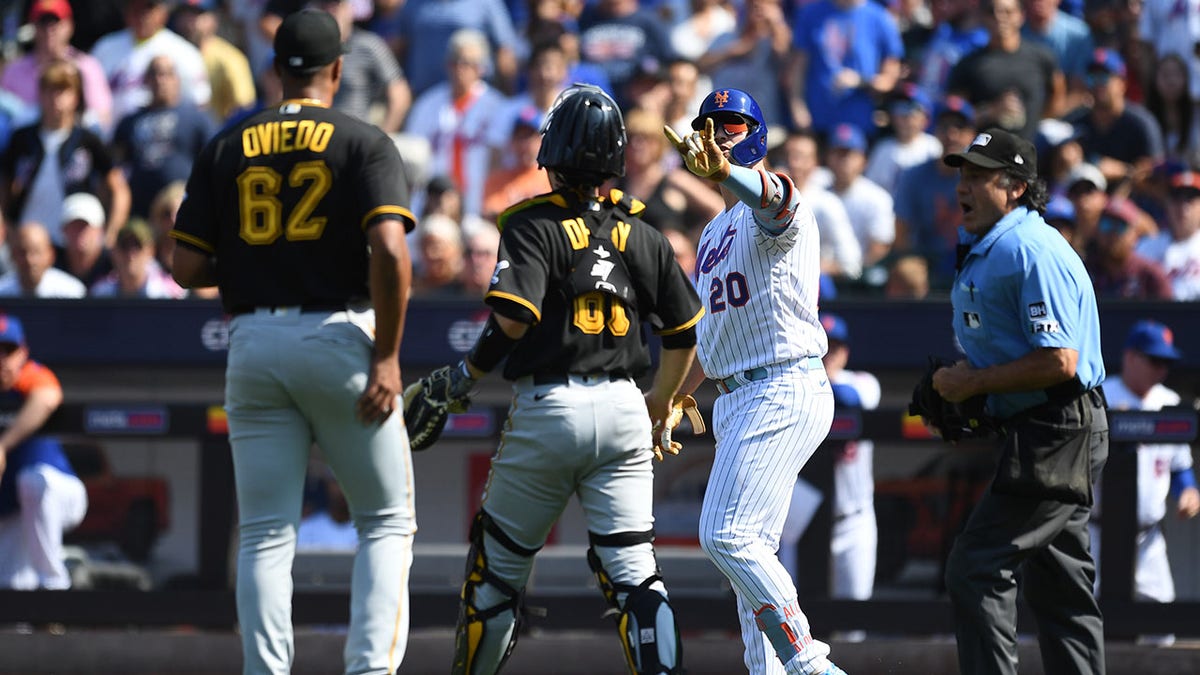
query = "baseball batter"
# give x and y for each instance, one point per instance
(762, 342)
(1163, 468)
(299, 217)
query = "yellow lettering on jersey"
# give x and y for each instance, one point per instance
(577, 232)
(620, 235)
(287, 133)
(271, 138)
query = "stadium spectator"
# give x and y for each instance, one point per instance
(458, 117)
(1120, 137)
(545, 78)
(846, 52)
(1177, 248)
(40, 495)
(684, 246)
(125, 54)
(620, 36)
(440, 244)
(686, 87)
(156, 144)
(709, 19)
(481, 245)
(1088, 191)
(370, 73)
(136, 274)
(1117, 270)
(1169, 100)
(1170, 27)
(1060, 214)
(908, 279)
(229, 73)
(1059, 152)
(54, 25)
(1012, 82)
(84, 255)
(926, 197)
(427, 26)
(841, 256)
(1068, 37)
(32, 188)
(869, 206)
(755, 56)
(525, 179)
(909, 110)
(958, 31)
(673, 196)
(34, 274)
(567, 36)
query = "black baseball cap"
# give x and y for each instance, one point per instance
(307, 41)
(998, 149)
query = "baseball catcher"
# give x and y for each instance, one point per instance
(952, 421)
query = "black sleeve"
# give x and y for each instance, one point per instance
(195, 224)
(382, 191)
(676, 308)
(522, 271)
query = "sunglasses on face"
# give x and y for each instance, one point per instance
(1110, 225)
(1097, 79)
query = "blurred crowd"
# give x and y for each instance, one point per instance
(104, 103)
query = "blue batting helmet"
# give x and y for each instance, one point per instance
(735, 101)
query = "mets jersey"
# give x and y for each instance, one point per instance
(760, 292)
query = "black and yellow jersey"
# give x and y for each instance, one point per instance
(284, 199)
(586, 275)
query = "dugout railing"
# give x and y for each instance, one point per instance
(209, 602)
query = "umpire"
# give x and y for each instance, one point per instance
(298, 215)
(1025, 314)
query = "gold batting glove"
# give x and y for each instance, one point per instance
(700, 152)
(684, 404)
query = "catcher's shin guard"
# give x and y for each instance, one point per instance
(645, 621)
(488, 628)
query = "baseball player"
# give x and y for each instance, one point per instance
(855, 537)
(1163, 468)
(40, 495)
(762, 343)
(577, 273)
(299, 217)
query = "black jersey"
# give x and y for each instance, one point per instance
(284, 200)
(586, 276)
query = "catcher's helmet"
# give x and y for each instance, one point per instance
(754, 147)
(584, 133)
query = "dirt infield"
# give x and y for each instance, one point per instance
(181, 652)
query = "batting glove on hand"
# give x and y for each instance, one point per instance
(700, 152)
(663, 443)
(431, 399)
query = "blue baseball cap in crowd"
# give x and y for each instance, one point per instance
(849, 137)
(956, 105)
(11, 330)
(908, 95)
(198, 5)
(529, 117)
(835, 327)
(1152, 339)
(1108, 61)
(1060, 208)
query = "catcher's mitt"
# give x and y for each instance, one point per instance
(954, 421)
(430, 400)
(683, 404)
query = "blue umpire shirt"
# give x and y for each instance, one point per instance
(1022, 287)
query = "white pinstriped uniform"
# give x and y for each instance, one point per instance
(760, 294)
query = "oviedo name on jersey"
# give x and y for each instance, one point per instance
(271, 138)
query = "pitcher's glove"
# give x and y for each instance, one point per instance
(431, 399)
(683, 404)
(953, 421)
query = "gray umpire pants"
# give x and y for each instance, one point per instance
(1045, 542)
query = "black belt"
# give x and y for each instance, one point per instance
(304, 307)
(540, 379)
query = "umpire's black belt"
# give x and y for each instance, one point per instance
(540, 379)
(290, 309)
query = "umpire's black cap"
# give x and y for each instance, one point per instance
(998, 149)
(307, 41)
